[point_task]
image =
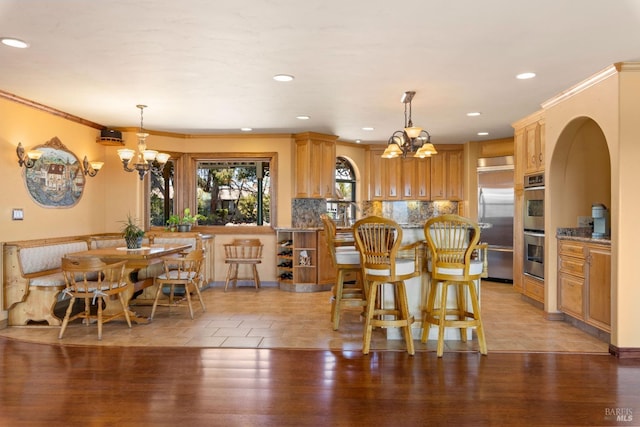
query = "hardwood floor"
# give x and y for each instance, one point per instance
(51, 385)
(294, 370)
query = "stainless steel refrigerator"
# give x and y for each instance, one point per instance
(495, 214)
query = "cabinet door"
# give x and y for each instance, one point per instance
(409, 178)
(392, 178)
(423, 179)
(328, 170)
(455, 175)
(571, 295)
(438, 176)
(326, 269)
(303, 177)
(375, 175)
(599, 290)
(535, 158)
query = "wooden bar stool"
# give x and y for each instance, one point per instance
(243, 252)
(346, 259)
(452, 240)
(378, 240)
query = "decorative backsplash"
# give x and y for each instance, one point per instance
(305, 213)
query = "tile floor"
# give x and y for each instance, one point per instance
(271, 318)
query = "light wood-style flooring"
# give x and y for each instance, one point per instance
(270, 318)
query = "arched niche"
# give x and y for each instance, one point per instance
(581, 167)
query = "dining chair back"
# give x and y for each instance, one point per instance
(93, 281)
(183, 271)
(243, 252)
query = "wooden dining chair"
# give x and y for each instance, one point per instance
(95, 282)
(346, 260)
(243, 252)
(379, 242)
(183, 271)
(452, 241)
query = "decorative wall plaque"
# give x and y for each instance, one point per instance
(56, 180)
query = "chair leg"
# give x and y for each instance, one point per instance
(371, 303)
(226, 282)
(442, 318)
(197, 288)
(403, 306)
(476, 313)
(188, 295)
(125, 309)
(155, 301)
(256, 276)
(431, 301)
(337, 299)
(67, 315)
(461, 307)
(99, 301)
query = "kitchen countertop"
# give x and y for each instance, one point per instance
(580, 234)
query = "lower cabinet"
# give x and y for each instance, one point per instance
(533, 288)
(584, 282)
(300, 261)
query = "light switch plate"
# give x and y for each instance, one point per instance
(17, 215)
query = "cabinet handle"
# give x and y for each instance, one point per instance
(540, 157)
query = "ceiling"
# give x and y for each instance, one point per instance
(207, 67)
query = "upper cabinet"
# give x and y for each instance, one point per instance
(447, 175)
(315, 165)
(439, 177)
(534, 143)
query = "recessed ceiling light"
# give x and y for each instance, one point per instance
(358, 141)
(367, 128)
(303, 117)
(246, 129)
(474, 113)
(8, 41)
(483, 133)
(283, 77)
(525, 76)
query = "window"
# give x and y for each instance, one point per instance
(233, 192)
(344, 209)
(161, 192)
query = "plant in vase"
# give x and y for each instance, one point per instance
(173, 222)
(187, 220)
(132, 233)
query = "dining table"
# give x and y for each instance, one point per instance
(137, 259)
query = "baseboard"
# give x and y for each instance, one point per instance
(625, 353)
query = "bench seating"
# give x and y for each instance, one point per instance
(33, 277)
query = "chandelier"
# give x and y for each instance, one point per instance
(142, 160)
(411, 139)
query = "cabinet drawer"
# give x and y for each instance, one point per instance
(571, 295)
(533, 289)
(571, 265)
(571, 248)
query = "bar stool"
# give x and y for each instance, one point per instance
(345, 259)
(452, 240)
(243, 252)
(378, 240)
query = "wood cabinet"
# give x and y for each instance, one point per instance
(528, 145)
(534, 140)
(439, 177)
(533, 288)
(300, 260)
(315, 165)
(584, 282)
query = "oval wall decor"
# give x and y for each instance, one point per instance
(56, 180)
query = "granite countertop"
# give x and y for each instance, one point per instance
(581, 234)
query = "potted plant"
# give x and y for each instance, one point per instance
(187, 220)
(173, 222)
(132, 233)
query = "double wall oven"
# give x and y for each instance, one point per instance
(534, 225)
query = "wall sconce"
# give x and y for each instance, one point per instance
(27, 159)
(91, 168)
